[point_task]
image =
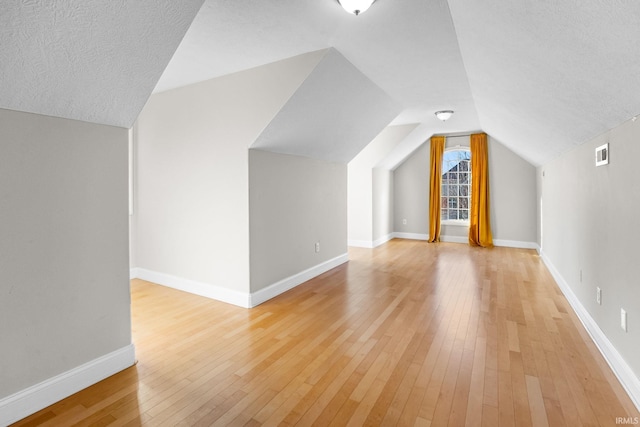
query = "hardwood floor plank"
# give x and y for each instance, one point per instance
(409, 333)
(536, 402)
(512, 333)
(522, 410)
(473, 416)
(490, 416)
(506, 401)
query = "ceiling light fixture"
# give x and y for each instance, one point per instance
(356, 6)
(444, 114)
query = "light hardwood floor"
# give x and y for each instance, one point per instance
(409, 333)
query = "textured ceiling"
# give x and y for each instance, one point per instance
(87, 60)
(540, 76)
(547, 75)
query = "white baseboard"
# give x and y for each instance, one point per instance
(208, 290)
(28, 401)
(370, 244)
(382, 240)
(291, 282)
(464, 239)
(360, 243)
(412, 236)
(133, 273)
(420, 236)
(455, 239)
(515, 244)
(621, 369)
(241, 299)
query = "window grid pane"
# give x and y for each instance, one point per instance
(456, 190)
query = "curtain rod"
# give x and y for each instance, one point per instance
(461, 135)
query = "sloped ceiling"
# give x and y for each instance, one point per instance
(87, 60)
(333, 115)
(406, 47)
(539, 76)
(547, 75)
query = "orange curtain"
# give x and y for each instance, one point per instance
(437, 150)
(480, 224)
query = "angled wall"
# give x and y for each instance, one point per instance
(369, 195)
(203, 219)
(64, 293)
(411, 193)
(294, 203)
(192, 177)
(589, 238)
(382, 205)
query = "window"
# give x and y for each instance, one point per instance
(456, 185)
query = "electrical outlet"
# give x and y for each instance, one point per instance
(599, 295)
(623, 319)
(404, 221)
(317, 247)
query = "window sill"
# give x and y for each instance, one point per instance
(458, 223)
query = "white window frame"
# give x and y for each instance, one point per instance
(457, 222)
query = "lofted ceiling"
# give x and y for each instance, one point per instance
(539, 76)
(403, 46)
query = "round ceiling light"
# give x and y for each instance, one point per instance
(356, 6)
(444, 114)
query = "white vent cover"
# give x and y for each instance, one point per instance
(602, 155)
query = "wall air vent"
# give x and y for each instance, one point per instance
(602, 155)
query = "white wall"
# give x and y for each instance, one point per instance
(294, 203)
(360, 201)
(64, 266)
(590, 223)
(192, 172)
(411, 193)
(512, 186)
(361, 189)
(512, 182)
(382, 211)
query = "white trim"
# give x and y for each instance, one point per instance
(130, 171)
(496, 242)
(455, 222)
(241, 299)
(515, 244)
(134, 273)
(30, 400)
(291, 282)
(454, 239)
(621, 369)
(382, 240)
(371, 244)
(412, 236)
(460, 239)
(208, 290)
(360, 244)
